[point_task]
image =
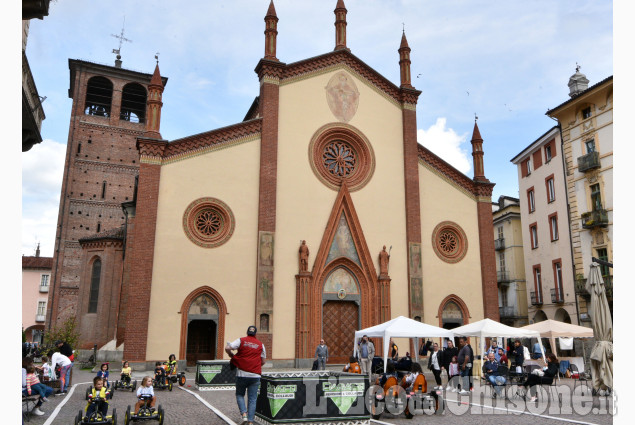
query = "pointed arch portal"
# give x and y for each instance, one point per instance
(341, 293)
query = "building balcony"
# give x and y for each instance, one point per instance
(44, 288)
(596, 218)
(536, 298)
(588, 162)
(580, 286)
(557, 297)
(503, 276)
(40, 318)
(508, 312)
(499, 244)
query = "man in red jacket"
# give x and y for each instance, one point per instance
(248, 360)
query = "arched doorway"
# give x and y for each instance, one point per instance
(202, 326)
(562, 316)
(540, 316)
(453, 313)
(340, 313)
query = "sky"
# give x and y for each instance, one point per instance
(506, 61)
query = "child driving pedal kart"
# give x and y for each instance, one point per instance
(145, 391)
(98, 399)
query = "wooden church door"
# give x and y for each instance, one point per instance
(340, 319)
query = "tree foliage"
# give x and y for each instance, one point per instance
(66, 331)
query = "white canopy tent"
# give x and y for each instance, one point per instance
(553, 329)
(402, 327)
(488, 328)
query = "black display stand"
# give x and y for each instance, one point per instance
(214, 375)
(312, 397)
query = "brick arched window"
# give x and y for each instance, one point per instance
(95, 280)
(133, 103)
(98, 97)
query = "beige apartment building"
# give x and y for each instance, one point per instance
(510, 262)
(36, 279)
(545, 224)
(586, 122)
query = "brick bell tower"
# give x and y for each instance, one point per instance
(110, 110)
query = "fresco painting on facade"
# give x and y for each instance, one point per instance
(265, 286)
(415, 259)
(416, 293)
(338, 280)
(203, 304)
(343, 245)
(342, 96)
(266, 249)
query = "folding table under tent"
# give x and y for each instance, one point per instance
(402, 327)
(488, 328)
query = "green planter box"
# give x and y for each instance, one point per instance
(320, 396)
(214, 375)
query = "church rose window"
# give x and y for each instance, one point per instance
(208, 222)
(340, 153)
(339, 158)
(449, 242)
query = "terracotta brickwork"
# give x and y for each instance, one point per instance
(141, 263)
(488, 259)
(100, 327)
(125, 280)
(269, 109)
(99, 149)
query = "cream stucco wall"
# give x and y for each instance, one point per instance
(443, 201)
(305, 203)
(180, 266)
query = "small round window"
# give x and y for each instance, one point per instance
(449, 242)
(208, 222)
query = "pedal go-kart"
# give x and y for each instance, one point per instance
(96, 417)
(146, 413)
(167, 384)
(124, 385)
(402, 401)
(179, 377)
(90, 390)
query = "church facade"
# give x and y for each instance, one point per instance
(316, 216)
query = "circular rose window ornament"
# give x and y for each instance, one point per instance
(449, 242)
(208, 222)
(340, 153)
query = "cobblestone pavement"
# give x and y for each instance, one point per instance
(183, 407)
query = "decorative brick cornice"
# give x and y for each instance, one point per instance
(343, 56)
(210, 138)
(151, 147)
(105, 243)
(483, 189)
(270, 68)
(455, 175)
(103, 127)
(409, 95)
(100, 204)
(109, 236)
(106, 166)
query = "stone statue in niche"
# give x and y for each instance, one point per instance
(384, 258)
(342, 96)
(304, 257)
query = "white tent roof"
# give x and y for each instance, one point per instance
(406, 328)
(553, 328)
(402, 327)
(490, 328)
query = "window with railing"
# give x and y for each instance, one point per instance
(557, 277)
(538, 284)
